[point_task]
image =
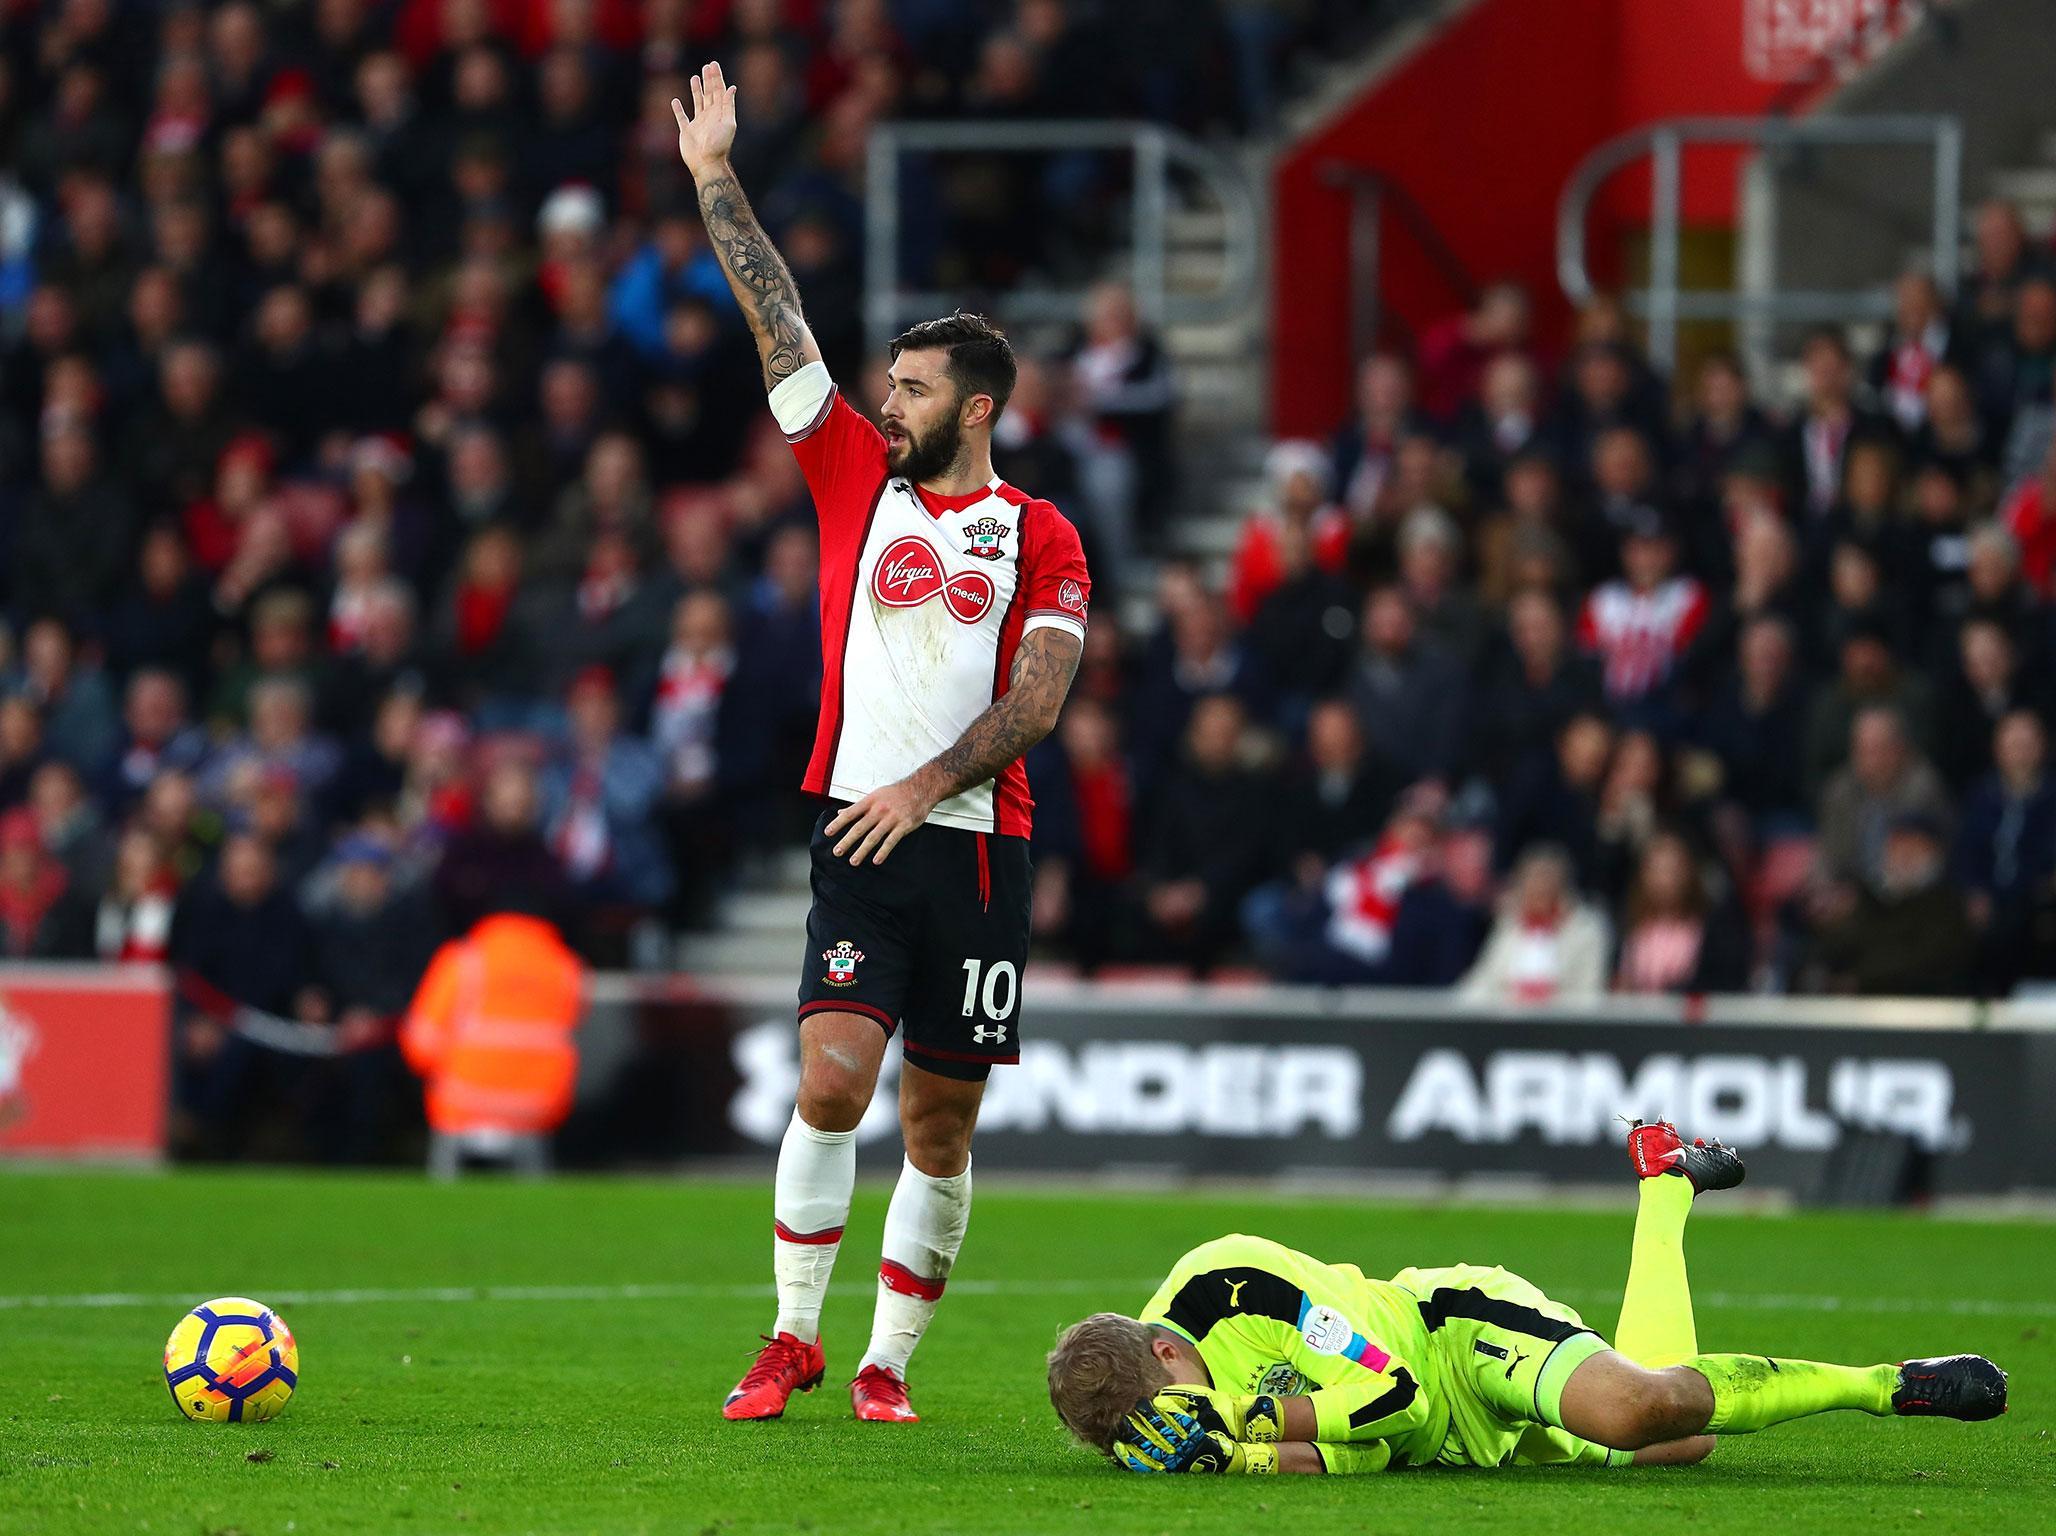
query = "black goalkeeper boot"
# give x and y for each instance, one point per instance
(1953, 1387)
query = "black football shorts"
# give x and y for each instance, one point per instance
(933, 939)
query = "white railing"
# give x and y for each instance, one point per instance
(1154, 150)
(1758, 302)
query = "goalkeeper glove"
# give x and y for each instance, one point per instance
(1256, 1420)
(1166, 1436)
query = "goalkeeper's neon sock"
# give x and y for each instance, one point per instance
(784, 1365)
(1752, 1392)
(1656, 1327)
(924, 1229)
(1952, 1387)
(809, 1204)
(879, 1397)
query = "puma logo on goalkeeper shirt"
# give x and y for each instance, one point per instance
(1235, 1292)
(1500, 1354)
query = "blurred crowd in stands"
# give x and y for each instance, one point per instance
(391, 532)
(1549, 676)
(384, 477)
(390, 525)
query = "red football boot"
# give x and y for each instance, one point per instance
(880, 1397)
(1657, 1149)
(783, 1366)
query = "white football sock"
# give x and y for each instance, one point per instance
(924, 1228)
(810, 1203)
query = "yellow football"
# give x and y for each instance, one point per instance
(231, 1361)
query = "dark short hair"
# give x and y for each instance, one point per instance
(980, 359)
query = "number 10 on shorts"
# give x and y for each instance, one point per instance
(996, 1006)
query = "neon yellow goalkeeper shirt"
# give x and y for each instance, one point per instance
(1267, 1318)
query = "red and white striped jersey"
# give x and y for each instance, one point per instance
(924, 600)
(1640, 636)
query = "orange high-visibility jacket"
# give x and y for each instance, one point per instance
(490, 1028)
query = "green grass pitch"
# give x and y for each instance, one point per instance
(494, 1357)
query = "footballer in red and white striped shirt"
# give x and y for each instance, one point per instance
(953, 613)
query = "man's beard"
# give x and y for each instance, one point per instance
(926, 458)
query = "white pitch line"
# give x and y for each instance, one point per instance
(1957, 1306)
(1738, 1301)
(661, 1291)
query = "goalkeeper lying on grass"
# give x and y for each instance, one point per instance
(1254, 1358)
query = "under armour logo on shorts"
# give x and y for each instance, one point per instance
(990, 1034)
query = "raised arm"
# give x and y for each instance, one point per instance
(758, 275)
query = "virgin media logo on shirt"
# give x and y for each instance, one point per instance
(909, 572)
(968, 595)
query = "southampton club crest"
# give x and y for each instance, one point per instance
(985, 535)
(842, 963)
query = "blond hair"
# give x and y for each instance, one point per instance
(1101, 1369)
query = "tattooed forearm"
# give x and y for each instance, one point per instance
(1017, 719)
(762, 282)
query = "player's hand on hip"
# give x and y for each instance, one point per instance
(705, 137)
(873, 826)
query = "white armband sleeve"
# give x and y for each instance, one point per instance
(1069, 623)
(801, 401)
